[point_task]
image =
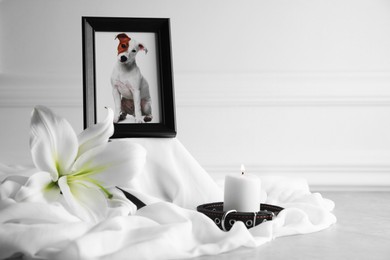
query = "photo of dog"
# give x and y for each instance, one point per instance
(130, 89)
(127, 77)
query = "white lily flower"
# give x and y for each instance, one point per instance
(80, 172)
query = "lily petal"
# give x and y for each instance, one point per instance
(53, 142)
(97, 134)
(119, 204)
(85, 201)
(112, 164)
(38, 188)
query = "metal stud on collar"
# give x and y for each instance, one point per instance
(224, 218)
(254, 218)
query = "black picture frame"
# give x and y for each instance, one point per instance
(160, 27)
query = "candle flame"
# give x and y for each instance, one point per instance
(242, 169)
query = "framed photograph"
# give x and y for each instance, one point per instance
(127, 66)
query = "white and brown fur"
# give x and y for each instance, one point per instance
(129, 87)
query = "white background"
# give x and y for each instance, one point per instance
(288, 87)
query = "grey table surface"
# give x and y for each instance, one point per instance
(362, 231)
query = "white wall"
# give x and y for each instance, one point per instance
(298, 88)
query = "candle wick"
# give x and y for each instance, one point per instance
(242, 173)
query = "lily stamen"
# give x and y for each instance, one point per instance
(74, 178)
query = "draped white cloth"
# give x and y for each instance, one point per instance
(172, 184)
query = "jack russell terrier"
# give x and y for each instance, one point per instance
(129, 88)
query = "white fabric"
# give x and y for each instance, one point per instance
(172, 184)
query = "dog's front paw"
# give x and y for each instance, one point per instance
(122, 116)
(116, 118)
(148, 118)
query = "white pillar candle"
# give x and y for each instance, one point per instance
(242, 192)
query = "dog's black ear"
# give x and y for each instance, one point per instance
(122, 36)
